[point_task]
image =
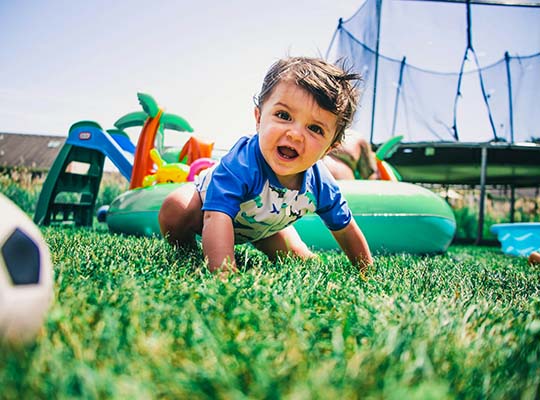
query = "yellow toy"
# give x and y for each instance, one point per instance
(165, 173)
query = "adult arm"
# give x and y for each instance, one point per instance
(353, 242)
(218, 241)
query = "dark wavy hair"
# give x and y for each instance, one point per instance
(333, 88)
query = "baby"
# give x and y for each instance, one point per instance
(268, 181)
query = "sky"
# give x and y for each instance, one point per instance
(66, 61)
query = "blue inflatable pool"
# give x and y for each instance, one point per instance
(518, 238)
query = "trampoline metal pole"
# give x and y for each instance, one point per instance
(483, 173)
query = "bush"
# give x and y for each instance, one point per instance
(112, 185)
(108, 192)
(466, 222)
(22, 189)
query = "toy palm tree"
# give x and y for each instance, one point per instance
(154, 121)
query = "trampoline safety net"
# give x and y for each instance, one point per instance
(454, 71)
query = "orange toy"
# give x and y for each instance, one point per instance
(142, 162)
(195, 149)
(385, 171)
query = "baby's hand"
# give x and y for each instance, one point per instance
(226, 272)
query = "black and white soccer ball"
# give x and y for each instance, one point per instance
(26, 275)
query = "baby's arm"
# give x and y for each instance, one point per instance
(354, 244)
(218, 241)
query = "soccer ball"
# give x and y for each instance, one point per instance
(26, 275)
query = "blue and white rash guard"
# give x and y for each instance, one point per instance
(243, 186)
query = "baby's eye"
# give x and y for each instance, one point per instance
(317, 129)
(283, 115)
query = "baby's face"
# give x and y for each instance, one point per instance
(294, 132)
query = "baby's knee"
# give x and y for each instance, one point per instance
(180, 216)
(171, 215)
(167, 214)
(296, 247)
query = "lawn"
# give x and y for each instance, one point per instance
(132, 318)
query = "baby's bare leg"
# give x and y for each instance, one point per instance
(338, 169)
(180, 217)
(284, 241)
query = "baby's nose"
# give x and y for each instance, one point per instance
(295, 133)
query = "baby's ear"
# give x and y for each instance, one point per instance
(332, 147)
(257, 112)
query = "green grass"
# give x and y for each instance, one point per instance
(134, 319)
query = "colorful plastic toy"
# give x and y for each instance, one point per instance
(165, 173)
(386, 171)
(87, 146)
(154, 120)
(194, 149)
(198, 165)
(70, 190)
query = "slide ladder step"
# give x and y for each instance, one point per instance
(70, 190)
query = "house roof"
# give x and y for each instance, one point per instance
(36, 152)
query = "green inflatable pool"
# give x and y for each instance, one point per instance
(396, 217)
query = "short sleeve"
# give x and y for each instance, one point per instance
(231, 181)
(332, 206)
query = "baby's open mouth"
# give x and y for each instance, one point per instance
(287, 152)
